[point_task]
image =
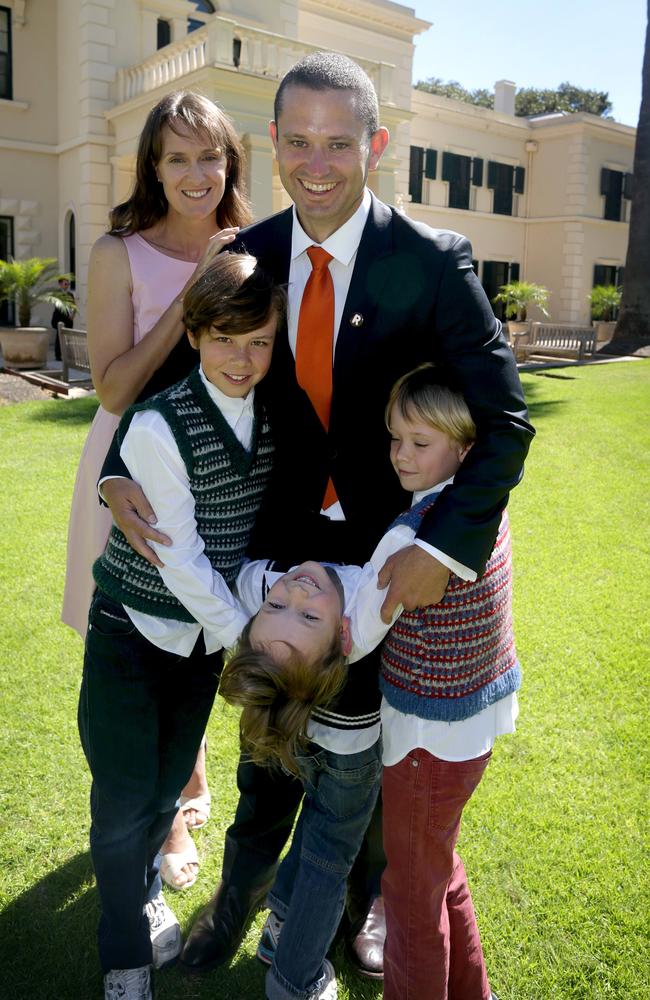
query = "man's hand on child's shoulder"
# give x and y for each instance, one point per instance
(134, 516)
(414, 578)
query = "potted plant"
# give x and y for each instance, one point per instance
(517, 296)
(28, 282)
(605, 300)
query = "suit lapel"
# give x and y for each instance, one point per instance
(364, 294)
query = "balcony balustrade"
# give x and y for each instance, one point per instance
(225, 43)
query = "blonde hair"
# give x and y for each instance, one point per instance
(278, 698)
(426, 393)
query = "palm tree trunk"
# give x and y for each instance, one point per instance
(632, 331)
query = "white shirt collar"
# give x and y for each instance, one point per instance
(230, 406)
(421, 494)
(342, 244)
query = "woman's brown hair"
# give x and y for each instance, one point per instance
(182, 111)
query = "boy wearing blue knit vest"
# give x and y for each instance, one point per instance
(202, 450)
(449, 679)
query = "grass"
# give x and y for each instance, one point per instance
(556, 839)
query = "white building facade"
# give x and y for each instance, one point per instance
(544, 200)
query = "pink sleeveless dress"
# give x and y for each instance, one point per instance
(157, 279)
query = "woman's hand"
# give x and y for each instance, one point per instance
(215, 245)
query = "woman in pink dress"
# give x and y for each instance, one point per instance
(187, 204)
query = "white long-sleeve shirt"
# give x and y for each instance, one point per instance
(150, 453)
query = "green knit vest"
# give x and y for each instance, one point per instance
(226, 481)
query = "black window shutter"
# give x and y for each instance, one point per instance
(448, 166)
(599, 274)
(605, 175)
(431, 164)
(520, 174)
(415, 173)
(492, 174)
(628, 186)
(513, 272)
(477, 171)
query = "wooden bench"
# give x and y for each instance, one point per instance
(74, 353)
(554, 340)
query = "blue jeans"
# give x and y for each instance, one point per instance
(142, 715)
(309, 889)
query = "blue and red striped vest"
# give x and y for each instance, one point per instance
(450, 660)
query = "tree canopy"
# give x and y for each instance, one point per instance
(528, 100)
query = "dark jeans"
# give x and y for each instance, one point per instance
(309, 890)
(142, 715)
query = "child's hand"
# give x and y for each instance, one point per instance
(414, 578)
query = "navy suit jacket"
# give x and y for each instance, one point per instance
(413, 297)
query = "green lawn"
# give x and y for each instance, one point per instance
(556, 840)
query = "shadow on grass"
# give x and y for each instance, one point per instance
(48, 950)
(538, 408)
(73, 412)
(47, 942)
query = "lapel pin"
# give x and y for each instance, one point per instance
(356, 320)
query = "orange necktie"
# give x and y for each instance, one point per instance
(314, 345)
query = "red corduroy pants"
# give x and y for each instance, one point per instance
(433, 949)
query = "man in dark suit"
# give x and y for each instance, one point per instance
(404, 294)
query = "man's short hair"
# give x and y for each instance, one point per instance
(331, 71)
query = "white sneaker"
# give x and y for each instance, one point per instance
(165, 932)
(128, 984)
(327, 988)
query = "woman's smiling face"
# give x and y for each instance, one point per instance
(192, 173)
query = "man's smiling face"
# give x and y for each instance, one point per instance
(324, 153)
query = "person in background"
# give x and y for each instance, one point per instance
(62, 316)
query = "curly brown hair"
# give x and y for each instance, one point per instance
(277, 698)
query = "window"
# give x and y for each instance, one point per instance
(416, 173)
(608, 274)
(460, 172)
(6, 251)
(163, 33)
(615, 185)
(495, 274)
(72, 249)
(504, 180)
(6, 89)
(422, 163)
(203, 9)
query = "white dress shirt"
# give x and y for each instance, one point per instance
(343, 246)
(151, 455)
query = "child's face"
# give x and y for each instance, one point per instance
(234, 363)
(303, 612)
(422, 455)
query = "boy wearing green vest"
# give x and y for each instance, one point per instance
(202, 451)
